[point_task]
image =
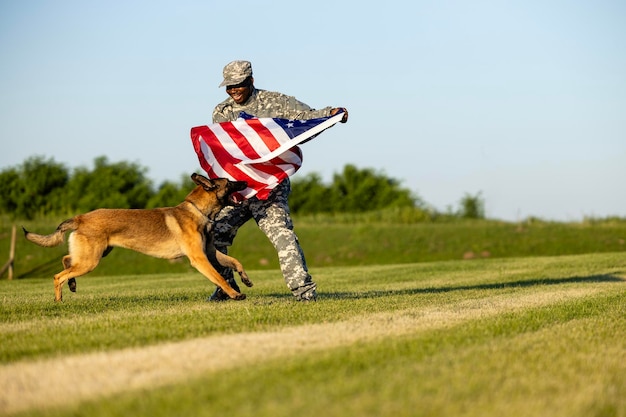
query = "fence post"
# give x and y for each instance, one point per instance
(9, 264)
(12, 251)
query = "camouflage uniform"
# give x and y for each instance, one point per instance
(272, 215)
(267, 104)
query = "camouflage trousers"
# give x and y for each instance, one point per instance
(273, 218)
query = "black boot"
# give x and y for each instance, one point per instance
(220, 295)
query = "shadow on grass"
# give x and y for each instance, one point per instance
(592, 279)
(123, 299)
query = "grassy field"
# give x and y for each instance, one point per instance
(329, 241)
(519, 336)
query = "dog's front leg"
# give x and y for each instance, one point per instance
(202, 264)
(217, 257)
(233, 263)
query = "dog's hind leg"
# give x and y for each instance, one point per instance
(67, 263)
(83, 258)
(71, 283)
(75, 270)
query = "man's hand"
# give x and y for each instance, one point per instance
(337, 110)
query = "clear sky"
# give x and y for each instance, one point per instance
(523, 101)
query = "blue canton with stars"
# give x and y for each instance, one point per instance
(292, 128)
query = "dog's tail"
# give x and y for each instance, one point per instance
(53, 239)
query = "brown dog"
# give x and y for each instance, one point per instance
(167, 232)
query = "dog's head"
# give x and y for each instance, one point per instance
(223, 188)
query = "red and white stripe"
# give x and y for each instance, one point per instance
(222, 146)
(255, 150)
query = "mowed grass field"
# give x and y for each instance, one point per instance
(522, 336)
(329, 242)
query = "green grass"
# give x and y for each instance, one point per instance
(497, 367)
(483, 342)
(342, 242)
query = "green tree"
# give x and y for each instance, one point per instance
(359, 190)
(170, 193)
(34, 188)
(11, 188)
(111, 185)
(310, 195)
(354, 190)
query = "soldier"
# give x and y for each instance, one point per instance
(272, 214)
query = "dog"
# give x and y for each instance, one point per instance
(166, 232)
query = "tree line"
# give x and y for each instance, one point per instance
(41, 187)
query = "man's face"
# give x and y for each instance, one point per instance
(240, 92)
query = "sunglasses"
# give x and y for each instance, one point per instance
(245, 83)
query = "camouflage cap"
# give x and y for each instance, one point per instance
(235, 72)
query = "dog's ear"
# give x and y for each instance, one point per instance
(209, 186)
(199, 179)
(204, 182)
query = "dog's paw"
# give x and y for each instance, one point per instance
(239, 297)
(72, 284)
(245, 279)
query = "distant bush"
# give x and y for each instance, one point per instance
(472, 207)
(353, 191)
(41, 187)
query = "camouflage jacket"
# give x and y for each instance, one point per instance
(264, 103)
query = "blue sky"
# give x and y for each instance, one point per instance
(522, 101)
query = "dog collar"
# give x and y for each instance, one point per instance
(197, 208)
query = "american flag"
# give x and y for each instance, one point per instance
(261, 151)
